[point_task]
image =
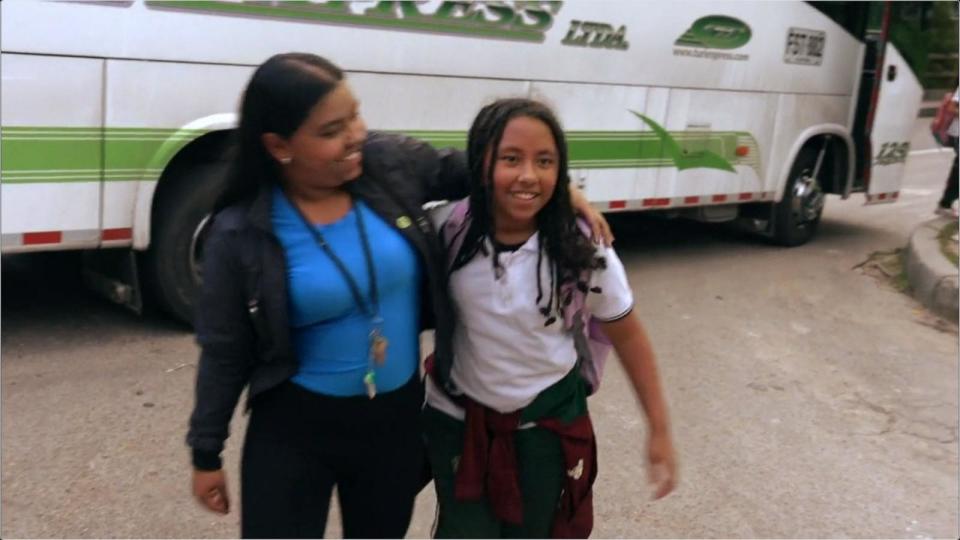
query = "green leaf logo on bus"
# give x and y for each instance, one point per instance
(716, 32)
(683, 158)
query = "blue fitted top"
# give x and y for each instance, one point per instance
(331, 334)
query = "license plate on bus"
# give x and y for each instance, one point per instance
(805, 47)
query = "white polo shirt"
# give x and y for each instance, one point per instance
(504, 355)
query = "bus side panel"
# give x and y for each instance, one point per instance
(191, 31)
(893, 122)
(796, 114)
(610, 156)
(52, 152)
(698, 119)
(169, 95)
(149, 106)
(416, 104)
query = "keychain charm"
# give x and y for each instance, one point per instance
(378, 343)
(377, 356)
(370, 381)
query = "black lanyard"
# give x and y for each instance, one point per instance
(374, 311)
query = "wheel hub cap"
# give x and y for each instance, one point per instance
(808, 199)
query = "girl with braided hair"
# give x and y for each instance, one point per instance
(509, 436)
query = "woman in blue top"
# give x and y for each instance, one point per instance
(320, 270)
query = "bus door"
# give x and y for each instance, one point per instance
(887, 102)
(893, 120)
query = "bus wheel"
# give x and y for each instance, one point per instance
(797, 215)
(181, 217)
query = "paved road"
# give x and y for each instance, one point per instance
(808, 399)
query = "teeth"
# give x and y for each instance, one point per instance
(352, 156)
(524, 195)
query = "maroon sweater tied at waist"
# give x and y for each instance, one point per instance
(489, 465)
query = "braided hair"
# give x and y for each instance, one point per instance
(569, 252)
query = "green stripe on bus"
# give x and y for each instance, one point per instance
(60, 154)
(27, 160)
(20, 156)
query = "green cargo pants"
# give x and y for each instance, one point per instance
(540, 462)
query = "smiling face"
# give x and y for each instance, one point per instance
(524, 175)
(325, 150)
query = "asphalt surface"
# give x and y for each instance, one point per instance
(808, 399)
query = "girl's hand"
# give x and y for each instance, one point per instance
(662, 465)
(598, 223)
(210, 490)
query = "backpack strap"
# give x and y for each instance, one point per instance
(452, 220)
(578, 296)
(455, 228)
(592, 345)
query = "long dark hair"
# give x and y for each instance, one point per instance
(569, 251)
(277, 99)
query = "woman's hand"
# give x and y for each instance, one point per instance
(598, 223)
(662, 465)
(210, 490)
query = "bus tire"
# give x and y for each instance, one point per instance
(180, 219)
(797, 215)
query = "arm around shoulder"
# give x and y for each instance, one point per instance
(443, 173)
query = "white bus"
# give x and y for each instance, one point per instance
(115, 115)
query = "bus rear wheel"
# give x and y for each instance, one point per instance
(181, 217)
(797, 215)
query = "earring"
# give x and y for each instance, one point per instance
(285, 160)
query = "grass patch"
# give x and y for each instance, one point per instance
(948, 242)
(888, 267)
(900, 280)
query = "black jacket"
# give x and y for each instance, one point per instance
(242, 319)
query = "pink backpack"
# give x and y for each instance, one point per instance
(941, 122)
(592, 345)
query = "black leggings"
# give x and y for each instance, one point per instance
(950, 192)
(300, 445)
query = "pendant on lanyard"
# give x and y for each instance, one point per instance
(376, 357)
(378, 347)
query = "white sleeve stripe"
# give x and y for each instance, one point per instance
(618, 317)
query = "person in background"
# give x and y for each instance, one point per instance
(319, 271)
(945, 207)
(512, 450)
